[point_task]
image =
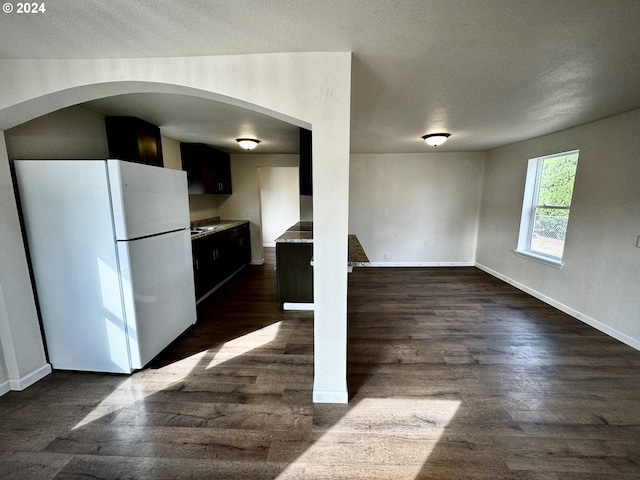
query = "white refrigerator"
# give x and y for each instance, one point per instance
(110, 249)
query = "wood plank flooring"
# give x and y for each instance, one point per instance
(452, 375)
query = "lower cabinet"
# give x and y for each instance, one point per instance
(295, 272)
(218, 255)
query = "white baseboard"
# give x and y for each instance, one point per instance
(624, 338)
(320, 396)
(297, 306)
(421, 264)
(20, 384)
(257, 262)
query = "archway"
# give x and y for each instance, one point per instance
(307, 89)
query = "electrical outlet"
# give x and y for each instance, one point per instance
(248, 215)
(386, 255)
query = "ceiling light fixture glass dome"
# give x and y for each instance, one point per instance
(248, 143)
(435, 139)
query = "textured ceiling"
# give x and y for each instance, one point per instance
(490, 72)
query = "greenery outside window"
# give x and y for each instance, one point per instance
(546, 207)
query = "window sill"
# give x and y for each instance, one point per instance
(536, 257)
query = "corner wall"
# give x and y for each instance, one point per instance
(600, 280)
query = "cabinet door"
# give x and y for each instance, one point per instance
(294, 272)
(202, 264)
(208, 169)
(239, 246)
(223, 174)
(245, 244)
(209, 263)
(134, 140)
(215, 250)
(194, 175)
(216, 174)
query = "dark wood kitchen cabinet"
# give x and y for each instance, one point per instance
(217, 256)
(305, 170)
(208, 169)
(206, 263)
(294, 272)
(238, 240)
(133, 139)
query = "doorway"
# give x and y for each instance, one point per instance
(279, 201)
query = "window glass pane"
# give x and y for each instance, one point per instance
(549, 230)
(556, 180)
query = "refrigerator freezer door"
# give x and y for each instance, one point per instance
(147, 200)
(158, 292)
(71, 242)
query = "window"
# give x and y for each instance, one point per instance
(546, 206)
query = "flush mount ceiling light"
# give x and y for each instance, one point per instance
(248, 143)
(435, 139)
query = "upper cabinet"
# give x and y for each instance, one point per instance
(305, 168)
(133, 139)
(208, 169)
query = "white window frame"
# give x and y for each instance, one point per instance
(529, 206)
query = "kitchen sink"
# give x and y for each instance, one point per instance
(199, 230)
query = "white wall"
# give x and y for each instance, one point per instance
(23, 361)
(420, 208)
(171, 153)
(310, 90)
(600, 280)
(203, 206)
(70, 133)
(279, 201)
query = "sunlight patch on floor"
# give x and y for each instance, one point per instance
(243, 345)
(145, 383)
(376, 438)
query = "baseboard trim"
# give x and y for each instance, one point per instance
(257, 262)
(297, 306)
(622, 337)
(20, 384)
(421, 264)
(4, 388)
(327, 396)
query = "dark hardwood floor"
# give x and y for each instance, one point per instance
(452, 374)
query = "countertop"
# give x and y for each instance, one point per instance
(293, 236)
(302, 232)
(357, 255)
(210, 226)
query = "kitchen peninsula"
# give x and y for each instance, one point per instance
(294, 265)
